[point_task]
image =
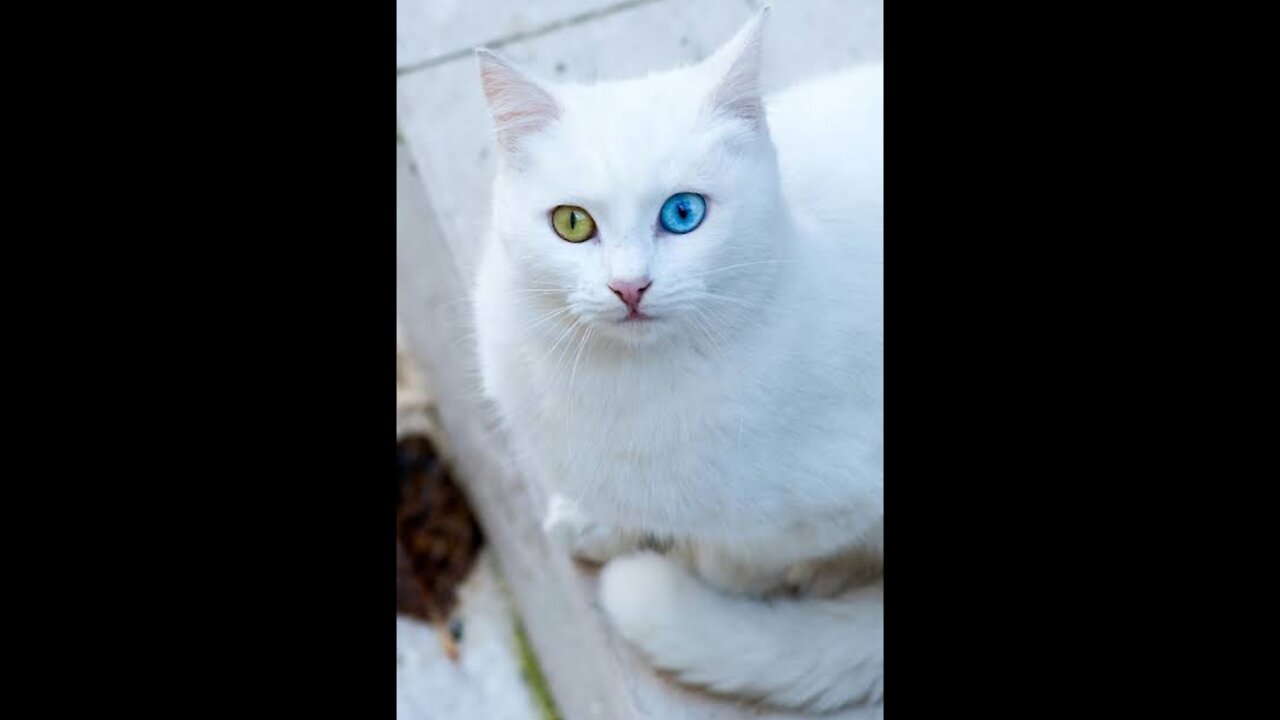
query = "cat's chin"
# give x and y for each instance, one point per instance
(634, 330)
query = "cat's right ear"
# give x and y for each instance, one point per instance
(519, 105)
(737, 63)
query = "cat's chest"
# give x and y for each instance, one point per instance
(631, 416)
(621, 438)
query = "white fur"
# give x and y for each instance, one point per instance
(744, 424)
(815, 654)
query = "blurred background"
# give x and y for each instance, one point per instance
(481, 634)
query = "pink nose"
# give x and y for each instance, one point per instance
(630, 291)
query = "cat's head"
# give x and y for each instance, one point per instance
(646, 208)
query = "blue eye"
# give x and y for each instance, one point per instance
(682, 212)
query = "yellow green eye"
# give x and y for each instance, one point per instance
(573, 223)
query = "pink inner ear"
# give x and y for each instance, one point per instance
(527, 118)
(518, 105)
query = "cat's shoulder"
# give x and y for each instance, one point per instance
(829, 134)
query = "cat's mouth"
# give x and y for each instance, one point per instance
(636, 316)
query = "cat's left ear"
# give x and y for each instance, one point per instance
(520, 106)
(737, 93)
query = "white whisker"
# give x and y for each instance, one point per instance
(573, 327)
(547, 317)
(732, 299)
(742, 265)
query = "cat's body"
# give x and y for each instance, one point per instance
(741, 425)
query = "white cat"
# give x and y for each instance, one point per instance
(679, 314)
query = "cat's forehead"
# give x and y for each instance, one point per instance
(636, 134)
(676, 95)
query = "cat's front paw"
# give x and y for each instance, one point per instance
(643, 593)
(584, 539)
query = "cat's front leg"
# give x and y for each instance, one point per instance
(585, 539)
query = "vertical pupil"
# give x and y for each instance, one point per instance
(573, 219)
(683, 210)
